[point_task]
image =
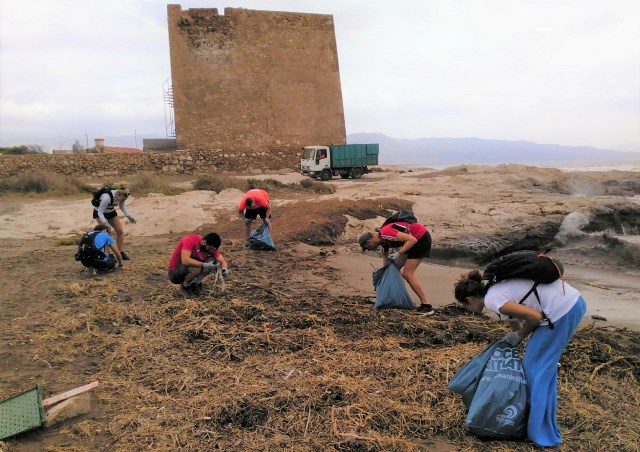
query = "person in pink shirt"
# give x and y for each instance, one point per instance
(254, 202)
(413, 242)
(193, 259)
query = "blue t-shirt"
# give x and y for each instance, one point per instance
(101, 240)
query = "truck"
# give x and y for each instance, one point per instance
(344, 160)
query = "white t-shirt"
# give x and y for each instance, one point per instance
(554, 301)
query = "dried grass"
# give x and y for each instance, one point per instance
(281, 365)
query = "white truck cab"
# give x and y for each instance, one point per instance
(314, 160)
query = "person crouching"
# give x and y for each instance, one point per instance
(194, 258)
(98, 252)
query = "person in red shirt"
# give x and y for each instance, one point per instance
(193, 259)
(254, 202)
(413, 242)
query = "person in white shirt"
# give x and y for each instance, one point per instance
(104, 212)
(551, 316)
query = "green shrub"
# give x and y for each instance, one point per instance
(316, 186)
(265, 184)
(217, 183)
(65, 241)
(42, 182)
(148, 182)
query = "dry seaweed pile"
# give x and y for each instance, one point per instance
(275, 363)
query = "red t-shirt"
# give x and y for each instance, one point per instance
(260, 199)
(389, 232)
(191, 243)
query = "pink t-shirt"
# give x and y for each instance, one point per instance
(191, 243)
(389, 232)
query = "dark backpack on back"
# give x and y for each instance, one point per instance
(538, 267)
(95, 201)
(403, 215)
(87, 251)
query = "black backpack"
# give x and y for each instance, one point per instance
(403, 215)
(95, 201)
(87, 251)
(538, 267)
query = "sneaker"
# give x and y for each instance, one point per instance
(125, 256)
(425, 309)
(186, 291)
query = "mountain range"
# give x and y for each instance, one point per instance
(457, 151)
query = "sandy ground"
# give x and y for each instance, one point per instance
(609, 294)
(452, 202)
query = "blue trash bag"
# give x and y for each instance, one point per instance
(499, 409)
(260, 239)
(390, 290)
(466, 380)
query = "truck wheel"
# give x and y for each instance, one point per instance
(325, 175)
(356, 173)
(344, 174)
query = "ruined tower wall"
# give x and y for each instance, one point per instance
(254, 80)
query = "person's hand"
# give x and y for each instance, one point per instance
(209, 265)
(513, 338)
(108, 227)
(266, 221)
(395, 256)
(247, 221)
(131, 219)
(225, 272)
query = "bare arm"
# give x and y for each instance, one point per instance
(221, 261)
(531, 317)
(116, 251)
(408, 240)
(186, 259)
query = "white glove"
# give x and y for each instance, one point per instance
(209, 265)
(395, 256)
(131, 219)
(247, 221)
(266, 221)
(225, 272)
(513, 338)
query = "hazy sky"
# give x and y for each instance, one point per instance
(548, 71)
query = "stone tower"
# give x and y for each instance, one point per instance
(254, 80)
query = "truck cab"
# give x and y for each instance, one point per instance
(314, 160)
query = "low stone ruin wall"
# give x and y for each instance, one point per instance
(179, 162)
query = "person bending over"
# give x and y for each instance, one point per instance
(193, 259)
(254, 202)
(414, 243)
(104, 212)
(551, 318)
